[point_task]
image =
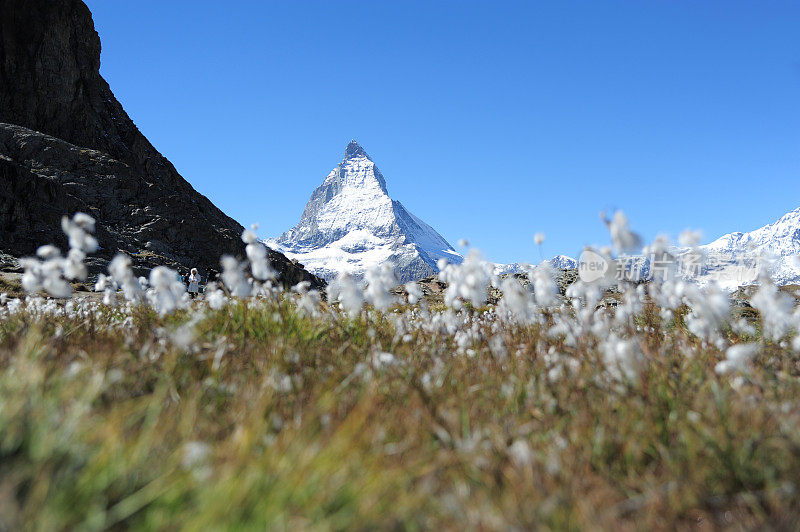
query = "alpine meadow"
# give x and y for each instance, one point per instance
(165, 367)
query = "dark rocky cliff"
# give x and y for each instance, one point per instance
(77, 149)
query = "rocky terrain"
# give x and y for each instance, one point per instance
(350, 224)
(433, 288)
(66, 145)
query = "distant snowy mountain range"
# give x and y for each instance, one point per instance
(736, 258)
(350, 225)
(733, 260)
(559, 262)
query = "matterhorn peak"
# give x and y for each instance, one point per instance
(354, 150)
(350, 225)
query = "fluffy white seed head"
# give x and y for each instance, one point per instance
(690, 238)
(623, 239)
(234, 278)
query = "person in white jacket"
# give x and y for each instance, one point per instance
(194, 283)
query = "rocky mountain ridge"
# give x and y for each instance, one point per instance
(740, 256)
(350, 224)
(66, 144)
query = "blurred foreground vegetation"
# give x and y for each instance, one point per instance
(259, 416)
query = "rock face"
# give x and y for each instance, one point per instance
(66, 144)
(350, 224)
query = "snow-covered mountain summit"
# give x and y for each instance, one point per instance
(780, 238)
(733, 260)
(350, 224)
(776, 245)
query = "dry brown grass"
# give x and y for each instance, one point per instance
(273, 419)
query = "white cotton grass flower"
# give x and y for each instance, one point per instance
(195, 457)
(521, 454)
(538, 238)
(257, 255)
(301, 287)
(32, 276)
(45, 275)
(84, 221)
(57, 287)
(413, 292)
(795, 342)
(775, 308)
(166, 292)
(709, 312)
(249, 236)
(545, 288)
(383, 360)
(122, 275)
(467, 281)
(345, 291)
(516, 303)
(583, 294)
(184, 336)
(498, 348)
(48, 251)
(586, 321)
(690, 239)
(660, 260)
(308, 302)
(109, 297)
(53, 272)
(661, 244)
(623, 239)
(215, 296)
(622, 357)
(380, 281)
(630, 306)
(737, 358)
(77, 230)
(259, 262)
(74, 268)
(743, 328)
(234, 278)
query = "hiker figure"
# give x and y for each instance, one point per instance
(194, 283)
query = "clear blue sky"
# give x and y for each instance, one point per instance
(490, 120)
